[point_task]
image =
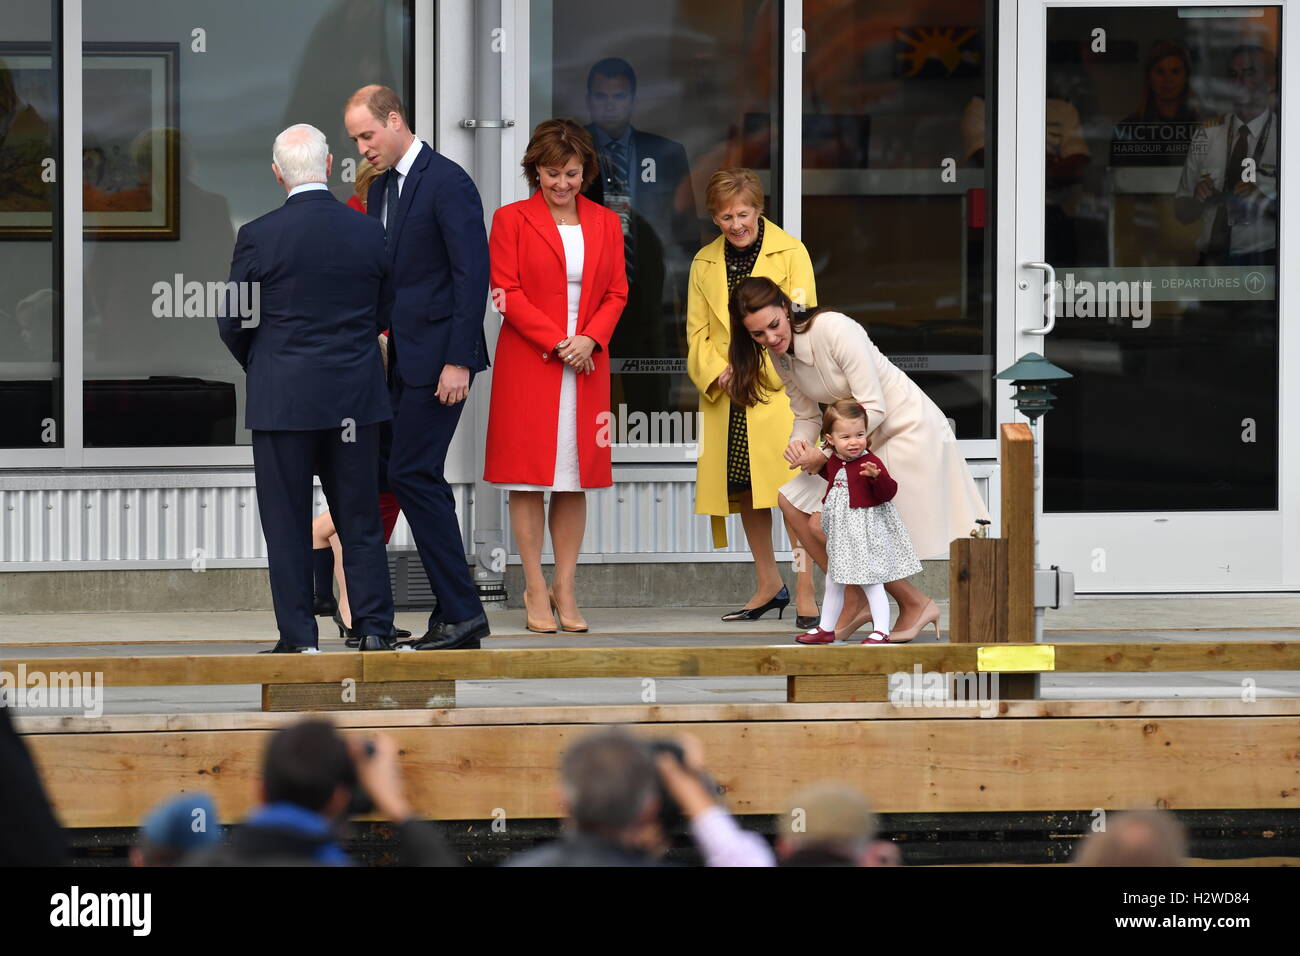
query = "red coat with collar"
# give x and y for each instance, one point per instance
(530, 290)
(864, 492)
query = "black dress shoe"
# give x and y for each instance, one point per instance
(373, 642)
(324, 607)
(454, 637)
(282, 648)
(397, 634)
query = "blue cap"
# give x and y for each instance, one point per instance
(184, 823)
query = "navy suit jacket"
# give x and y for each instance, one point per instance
(312, 357)
(656, 201)
(438, 247)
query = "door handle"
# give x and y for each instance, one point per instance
(1049, 280)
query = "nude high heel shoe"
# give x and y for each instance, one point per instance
(541, 624)
(578, 626)
(929, 616)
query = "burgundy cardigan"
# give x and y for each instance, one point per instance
(864, 492)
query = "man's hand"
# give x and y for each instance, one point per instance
(380, 776)
(1205, 188)
(453, 384)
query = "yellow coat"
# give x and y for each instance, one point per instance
(785, 261)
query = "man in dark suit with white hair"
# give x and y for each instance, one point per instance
(316, 393)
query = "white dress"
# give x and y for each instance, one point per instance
(864, 545)
(566, 439)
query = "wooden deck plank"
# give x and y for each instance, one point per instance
(911, 766)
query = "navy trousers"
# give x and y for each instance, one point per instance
(422, 431)
(284, 462)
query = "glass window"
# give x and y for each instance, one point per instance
(897, 213)
(31, 317)
(182, 103)
(693, 87)
(1160, 218)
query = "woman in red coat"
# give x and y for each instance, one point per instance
(559, 282)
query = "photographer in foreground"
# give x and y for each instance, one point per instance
(622, 797)
(313, 779)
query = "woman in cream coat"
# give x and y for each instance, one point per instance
(827, 357)
(741, 467)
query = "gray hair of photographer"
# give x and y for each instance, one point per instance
(1135, 838)
(832, 824)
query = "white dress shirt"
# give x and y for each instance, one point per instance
(403, 167)
(305, 187)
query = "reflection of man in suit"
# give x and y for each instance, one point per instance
(437, 243)
(316, 391)
(1238, 212)
(25, 142)
(645, 178)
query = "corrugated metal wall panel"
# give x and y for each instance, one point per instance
(221, 523)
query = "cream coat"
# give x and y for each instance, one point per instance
(835, 360)
(785, 261)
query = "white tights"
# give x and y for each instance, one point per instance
(833, 604)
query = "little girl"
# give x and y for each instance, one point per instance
(867, 542)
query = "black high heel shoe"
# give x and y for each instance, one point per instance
(754, 613)
(349, 636)
(806, 622)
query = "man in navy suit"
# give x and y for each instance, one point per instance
(321, 279)
(645, 178)
(433, 222)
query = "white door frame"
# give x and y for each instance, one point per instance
(1140, 552)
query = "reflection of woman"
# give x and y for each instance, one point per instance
(827, 357)
(327, 552)
(1161, 128)
(740, 466)
(560, 283)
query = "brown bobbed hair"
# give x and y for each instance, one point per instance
(842, 411)
(554, 143)
(749, 385)
(728, 185)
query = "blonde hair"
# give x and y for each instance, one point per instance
(728, 185)
(367, 173)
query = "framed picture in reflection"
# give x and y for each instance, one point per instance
(130, 149)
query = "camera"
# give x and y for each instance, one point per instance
(671, 817)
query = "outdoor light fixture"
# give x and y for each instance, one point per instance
(1029, 377)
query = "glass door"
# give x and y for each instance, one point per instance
(1148, 161)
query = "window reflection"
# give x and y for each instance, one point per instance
(30, 306)
(896, 207)
(167, 189)
(671, 92)
(1163, 232)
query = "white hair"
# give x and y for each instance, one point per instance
(300, 152)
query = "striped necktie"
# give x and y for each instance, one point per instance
(618, 174)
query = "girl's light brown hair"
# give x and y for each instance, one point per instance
(842, 411)
(554, 143)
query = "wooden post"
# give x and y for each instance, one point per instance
(977, 591)
(1018, 529)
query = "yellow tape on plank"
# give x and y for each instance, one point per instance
(1012, 658)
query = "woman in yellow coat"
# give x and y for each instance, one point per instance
(741, 465)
